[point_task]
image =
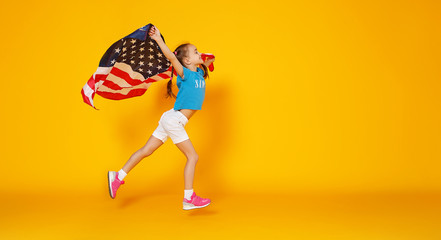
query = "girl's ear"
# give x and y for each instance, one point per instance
(186, 61)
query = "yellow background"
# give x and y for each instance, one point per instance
(314, 107)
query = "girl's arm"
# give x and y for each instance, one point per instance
(156, 35)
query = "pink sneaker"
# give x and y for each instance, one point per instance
(114, 183)
(195, 202)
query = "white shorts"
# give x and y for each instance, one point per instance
(172, 125)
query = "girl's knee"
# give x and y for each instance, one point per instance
(193, 157)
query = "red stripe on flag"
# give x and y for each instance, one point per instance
(99, 77)
(91, 83)
(119, 96)
(124, 75)
(112, 85)
(163, 75)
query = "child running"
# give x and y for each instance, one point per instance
(191, 84)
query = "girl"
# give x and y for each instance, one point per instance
(191, 83)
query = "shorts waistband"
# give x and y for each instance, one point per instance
(179, 112)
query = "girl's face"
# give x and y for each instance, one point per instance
(194, 56)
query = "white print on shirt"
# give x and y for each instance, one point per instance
(199, 84)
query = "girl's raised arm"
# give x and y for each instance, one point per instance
(156, 35)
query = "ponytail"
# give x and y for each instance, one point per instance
(205, 71)
(169, 86)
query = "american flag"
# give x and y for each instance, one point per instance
(129, 67)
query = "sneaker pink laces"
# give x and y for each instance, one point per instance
(114, 183)
(195, 202)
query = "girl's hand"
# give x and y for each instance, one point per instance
(154, 33)
(209, 61)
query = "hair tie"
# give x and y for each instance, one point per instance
(176, 53)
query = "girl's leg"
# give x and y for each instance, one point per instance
(187, 148)
(152, 144)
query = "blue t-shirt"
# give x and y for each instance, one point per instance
(191, 90)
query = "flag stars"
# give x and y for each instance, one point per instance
(143, 56)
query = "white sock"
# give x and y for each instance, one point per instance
(188, 193)
(121, 174)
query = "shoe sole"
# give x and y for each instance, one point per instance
(189, 207)
(110, 184)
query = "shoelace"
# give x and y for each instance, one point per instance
(198, 199)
